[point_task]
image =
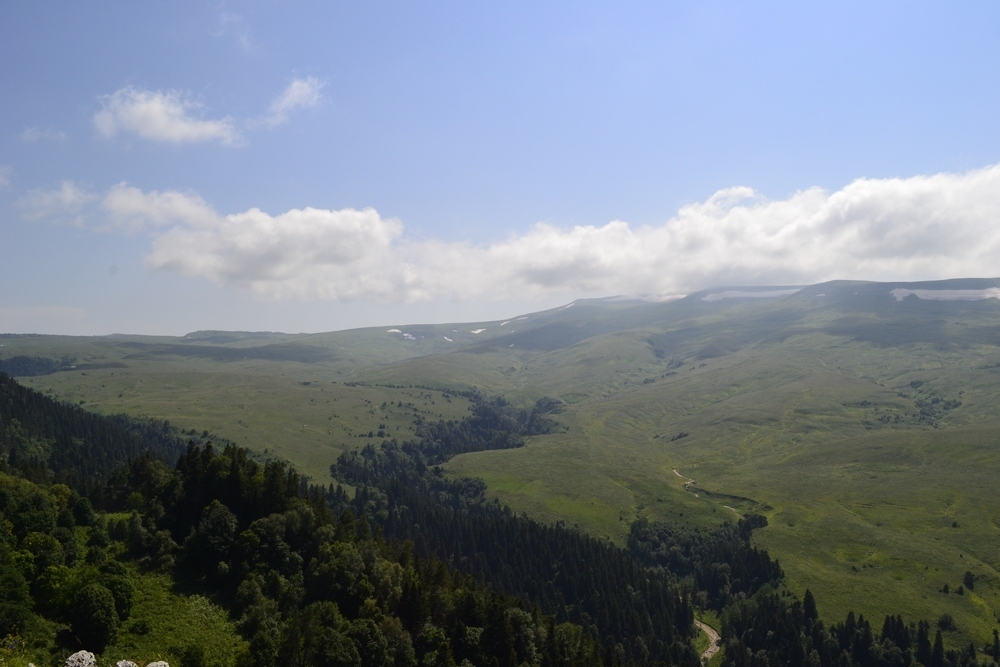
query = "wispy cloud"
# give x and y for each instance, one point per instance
(66, 203)
(171, 116)
(235, 25)
(5, 173)
(166, 116)
(32, 135)
(923, 227)
(132, 209)
(300, 94)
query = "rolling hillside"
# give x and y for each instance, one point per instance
(859, 417)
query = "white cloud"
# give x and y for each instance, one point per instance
(925, 227)
(5, 173)
(160, 116)
(130, 208)
(308, 253)
(68, 202)
(300, 94)
(32, 135)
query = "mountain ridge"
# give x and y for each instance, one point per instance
(863, 425)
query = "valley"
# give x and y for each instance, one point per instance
(863, 425)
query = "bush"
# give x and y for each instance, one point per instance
(115, 577)
(95, 621)
(193, 655)
(15, 600)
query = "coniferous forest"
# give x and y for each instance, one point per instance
(413, 568)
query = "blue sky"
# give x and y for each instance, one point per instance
(167, 167)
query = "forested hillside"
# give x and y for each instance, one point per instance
(418, 567)
(640, 599)
(47, 441)
(858, 417)
(301, 586)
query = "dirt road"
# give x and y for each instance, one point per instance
(714, 642)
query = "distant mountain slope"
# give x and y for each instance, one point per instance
(860, 417)
(706, 325)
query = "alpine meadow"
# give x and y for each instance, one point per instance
(451, 334)
(858, 419)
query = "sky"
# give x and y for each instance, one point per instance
(305, 167)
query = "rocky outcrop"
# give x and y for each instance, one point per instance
(87, 659)
(81, 659)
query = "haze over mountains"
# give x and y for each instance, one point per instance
(728, 244)
(859, 417)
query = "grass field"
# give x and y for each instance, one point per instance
(308, 422)
(864, 427)
(165, 624)
(874, 516)
(304, 412)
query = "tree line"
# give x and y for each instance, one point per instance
(413, 569)
(305, 586)
(48, 442)
(637, 601)
(772, 629)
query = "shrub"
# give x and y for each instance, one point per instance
(95, 621)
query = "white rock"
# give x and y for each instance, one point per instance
(125, 663)
(158, 663)
(81, 659)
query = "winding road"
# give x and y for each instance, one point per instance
(714, 641)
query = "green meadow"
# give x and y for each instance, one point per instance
(305, 410)
(169, 625)
(864, 427)
(165, 624)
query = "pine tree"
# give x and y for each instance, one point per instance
(937, 654)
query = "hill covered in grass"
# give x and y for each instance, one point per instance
(859, 417)
(222, 560)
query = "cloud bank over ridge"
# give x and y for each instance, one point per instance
(922, 227)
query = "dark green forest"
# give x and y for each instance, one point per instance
(414, 568)
(22, 366)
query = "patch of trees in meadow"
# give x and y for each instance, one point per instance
(772, 629)
(24, 366)
(721, 563)
(414, 569)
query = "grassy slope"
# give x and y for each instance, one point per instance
(164, 623)
(175, 622)
(303, 412)
(803, 407)
(861, 510)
